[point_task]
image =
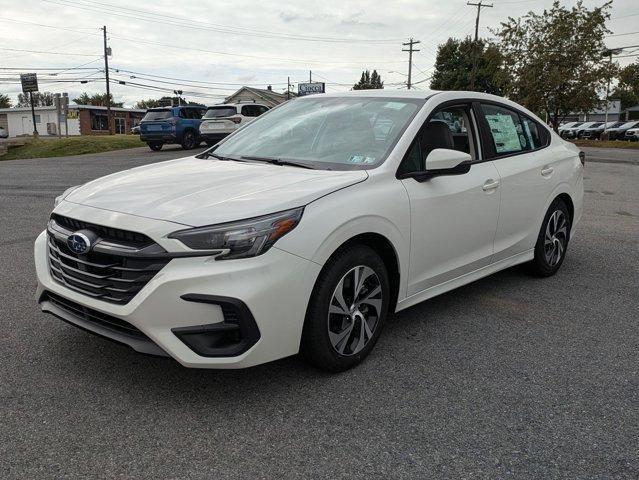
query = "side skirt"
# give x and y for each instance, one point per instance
(465, 279)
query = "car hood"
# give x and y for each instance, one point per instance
(198, 192)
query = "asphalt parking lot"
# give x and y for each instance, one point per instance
(508, 377)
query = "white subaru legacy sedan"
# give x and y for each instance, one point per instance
(304, 230)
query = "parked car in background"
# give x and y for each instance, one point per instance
(304, 230)
(179, 125)
(222, 120)
(619, 133)
(566, 126)
(573, 132)
(3, 133)
(632, 134)
(136, 130)
(594, 133)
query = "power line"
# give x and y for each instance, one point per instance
(200, 25)
(260, 57)
(49, 53)
(142, 74)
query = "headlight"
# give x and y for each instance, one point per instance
(241, 239)
(59, 198)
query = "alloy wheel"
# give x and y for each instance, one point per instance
(354, 311)
(556, 238)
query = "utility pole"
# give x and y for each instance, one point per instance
(410, 51)
(106, 74)
(310, 76)
(33, 117)
(476, 53)
(288, 88)
(479, 7)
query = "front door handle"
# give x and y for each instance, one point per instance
(490, 185)
(547, 171)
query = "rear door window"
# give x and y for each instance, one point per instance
(220, 112)
(250, 111)
(506, 129)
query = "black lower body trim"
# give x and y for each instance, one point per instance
(234, 336)
(111, 328)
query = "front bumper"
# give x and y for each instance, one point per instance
(275, 288)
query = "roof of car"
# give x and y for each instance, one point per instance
(241, 104)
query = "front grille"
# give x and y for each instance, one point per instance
(113, 274)
(95, 317)
(116, 235)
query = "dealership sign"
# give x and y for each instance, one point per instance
(310, 88)
(29, 82)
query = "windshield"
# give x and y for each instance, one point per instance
(596, 124)
(220, 112)
(157, 115)
(326, 132)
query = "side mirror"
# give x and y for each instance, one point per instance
(441, 160)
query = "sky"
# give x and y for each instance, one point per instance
(210, 48)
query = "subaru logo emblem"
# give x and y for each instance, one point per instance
(79, 243)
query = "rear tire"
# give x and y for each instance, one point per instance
(552, 241)
(347, 310)
(155, 146)
(189, 140)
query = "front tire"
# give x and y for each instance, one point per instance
(552, 241)
(347, 310)
(155, 146)
(189, 140)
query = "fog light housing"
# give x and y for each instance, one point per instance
(234, 336)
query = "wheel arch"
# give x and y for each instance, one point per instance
(387, 252)
(567, 199)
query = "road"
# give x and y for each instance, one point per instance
(612, 155)
(508, 377)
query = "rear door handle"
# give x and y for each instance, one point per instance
(490, 185)
(546, 171)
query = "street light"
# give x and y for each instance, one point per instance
(178, 93)
(608, 53)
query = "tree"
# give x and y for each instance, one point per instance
(5, 101)
(40, 99)
(369, 81)
(164, 102)
(554, 59)
(627, 90)
(97, 99)
(454, 67)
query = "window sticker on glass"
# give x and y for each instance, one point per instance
(395, 105)
(361, 159)
(505, 133)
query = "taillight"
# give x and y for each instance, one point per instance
(582, 158)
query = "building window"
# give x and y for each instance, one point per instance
(99, 121)
(37, 117)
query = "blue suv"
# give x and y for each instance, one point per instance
(179, 125)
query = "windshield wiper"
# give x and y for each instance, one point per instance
(277, 161)
(219, 157)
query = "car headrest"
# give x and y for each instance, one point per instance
(434, 135)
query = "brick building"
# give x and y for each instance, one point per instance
(82, 120)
